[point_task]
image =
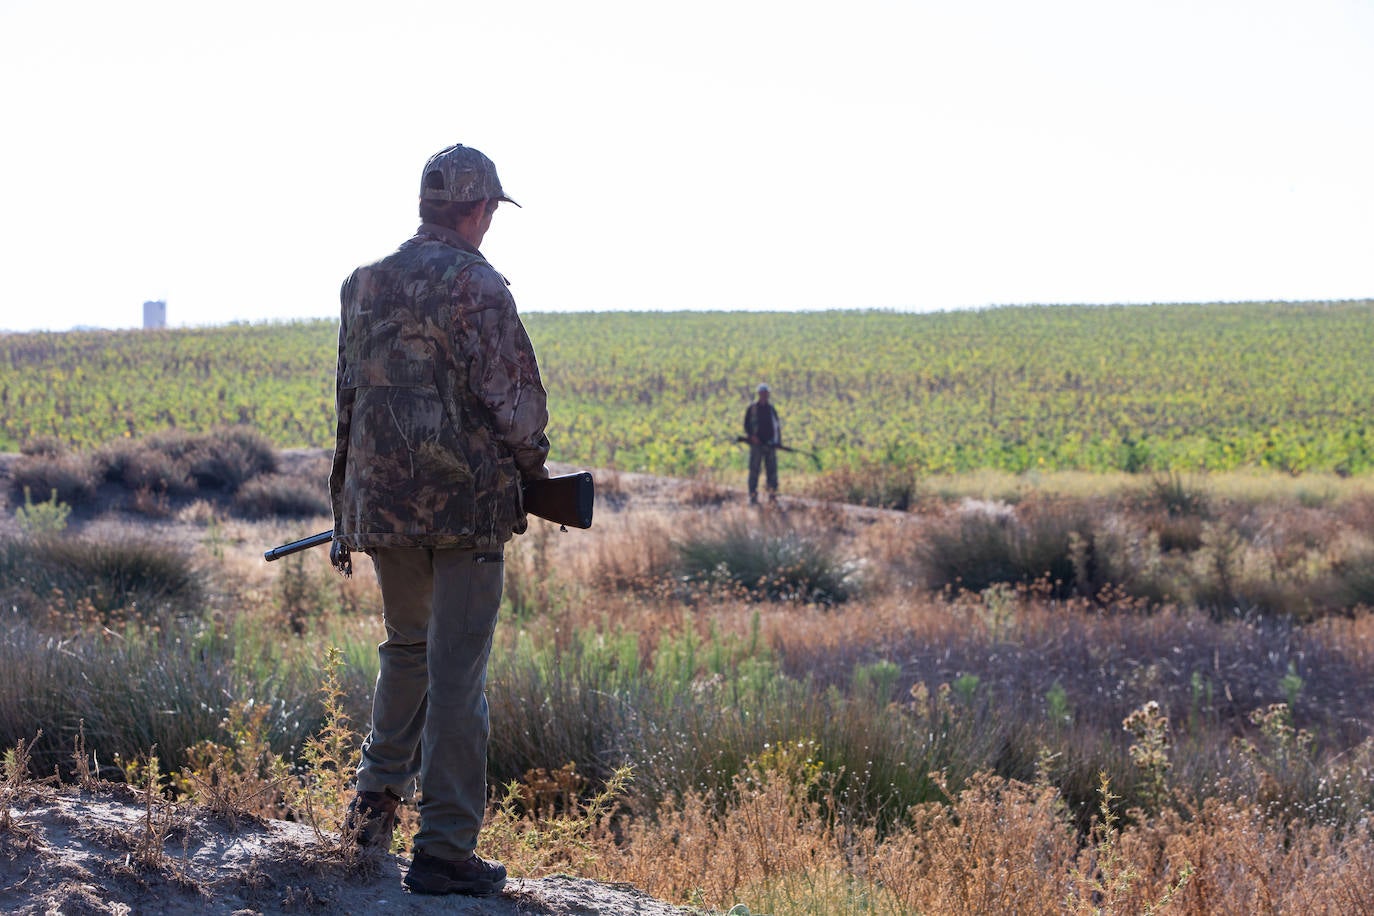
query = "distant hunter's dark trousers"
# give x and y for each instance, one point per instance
(429, 714)
(767, 457)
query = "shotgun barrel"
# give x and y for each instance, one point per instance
(315, 540)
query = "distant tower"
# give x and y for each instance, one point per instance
(154, 314)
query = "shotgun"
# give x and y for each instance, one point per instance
(566, 500)
(816, 459)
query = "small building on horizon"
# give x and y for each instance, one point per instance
(154, 314)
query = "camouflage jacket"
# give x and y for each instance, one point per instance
(768, 427)
(440, 407)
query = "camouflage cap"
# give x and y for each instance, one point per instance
(461, 173)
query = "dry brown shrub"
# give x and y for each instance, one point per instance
(634, 555)
(137, 465)
(887, 549)
(611, 492)
(770, 829)
(705, 490)
(1356, 513)
(1175, 532)
(152, 503)
(1352, 638)
(44, 446)
(70, 478)
(282, 494)
(873, 484)
(828, 644)
(1001, 847)
(1244, 863)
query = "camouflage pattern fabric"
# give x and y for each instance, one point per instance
(461, 173)
(767, 427)
(441, 409)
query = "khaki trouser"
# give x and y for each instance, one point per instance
(429, 712)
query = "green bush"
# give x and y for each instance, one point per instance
(690, 719)
(1354, 576)
(982, 547)
(42, 519)
(767, 558)
(168, 687)
(131, 577)
(1066, 548)
(1179, 495)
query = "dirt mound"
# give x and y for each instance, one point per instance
(109, 851)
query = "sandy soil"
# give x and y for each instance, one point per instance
(67, 851)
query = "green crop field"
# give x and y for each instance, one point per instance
(1179, 387)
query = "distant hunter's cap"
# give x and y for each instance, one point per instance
(461, 173)
(763, 386)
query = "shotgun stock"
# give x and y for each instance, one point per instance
(566, 500)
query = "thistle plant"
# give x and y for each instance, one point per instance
(1150, 752)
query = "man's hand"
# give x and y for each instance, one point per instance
(341, 558)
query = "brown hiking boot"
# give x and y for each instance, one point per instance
(474, 875)
(371, 820)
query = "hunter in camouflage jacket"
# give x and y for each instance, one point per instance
(441, 410)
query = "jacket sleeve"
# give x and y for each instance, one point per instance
(504, 374)
(343, 418)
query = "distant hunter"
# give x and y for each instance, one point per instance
(763, 430)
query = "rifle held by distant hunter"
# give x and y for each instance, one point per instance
(787, 448)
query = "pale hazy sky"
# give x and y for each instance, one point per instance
(239, 159)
